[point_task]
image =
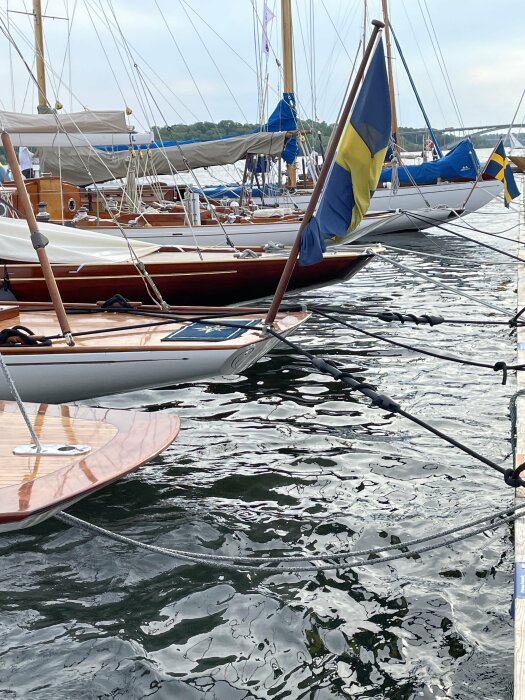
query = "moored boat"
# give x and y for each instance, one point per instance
(83, 450)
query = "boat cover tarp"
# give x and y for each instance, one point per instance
(461, 163)
(284, 118)
(101, 122)
(102, 165)
(66, 244)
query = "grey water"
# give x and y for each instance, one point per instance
(283, 458)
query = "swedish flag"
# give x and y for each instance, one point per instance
(355, 171)
(498, 167)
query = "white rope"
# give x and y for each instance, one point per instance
(20, 404)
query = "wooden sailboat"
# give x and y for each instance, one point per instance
(86, 268)
(434, 203)
(108, 444)
(109, 352)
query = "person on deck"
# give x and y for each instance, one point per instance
(25, 158)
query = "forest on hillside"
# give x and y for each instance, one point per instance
(411, 138)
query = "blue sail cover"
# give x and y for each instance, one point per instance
(461, 163)
(284, 118)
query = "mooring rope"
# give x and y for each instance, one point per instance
(471, 240)
(499, 309)
(498, 366)
(512, 477)
(260, 564)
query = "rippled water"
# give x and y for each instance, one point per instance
(284, 458)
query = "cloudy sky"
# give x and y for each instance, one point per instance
(190, 60)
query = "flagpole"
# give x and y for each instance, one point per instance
(329, 156)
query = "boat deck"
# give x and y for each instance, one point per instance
(33, 487)
(119, 332)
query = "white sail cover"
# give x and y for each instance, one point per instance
(73, 164)
(101, 122)
(71, 130)
(66, 244)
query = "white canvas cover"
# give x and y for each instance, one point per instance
(71, 164)
(66, 244)
(100, 122)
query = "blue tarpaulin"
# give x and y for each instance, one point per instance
(284, 118)
(234, 191)
(461, 163)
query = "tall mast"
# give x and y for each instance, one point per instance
(43, 107)
(286, 28)
(288, 87)
(395, 131)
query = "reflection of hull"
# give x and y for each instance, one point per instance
(118, 359)
(33, 487)
(183, 278)
(448, 195)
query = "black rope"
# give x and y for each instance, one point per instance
(395, 316)
(169, 318)
(499, 366)
(21, 335)
(512, 477)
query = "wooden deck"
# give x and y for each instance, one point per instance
(110, 338)
(120, 442)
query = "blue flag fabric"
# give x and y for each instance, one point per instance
(357, 166)
(498, 167)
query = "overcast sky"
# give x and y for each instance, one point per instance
(197, 59)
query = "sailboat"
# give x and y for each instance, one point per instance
(423, 198)
(79, 451)
(106, 350)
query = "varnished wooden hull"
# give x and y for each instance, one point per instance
(32, 488)
(210, 282)
(519, 162)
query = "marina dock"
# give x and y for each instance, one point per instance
(519, 528)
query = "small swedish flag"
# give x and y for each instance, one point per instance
(498, 167)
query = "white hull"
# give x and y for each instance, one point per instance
(240, 234)
(424, 206)
(59, 378)
(447, 195)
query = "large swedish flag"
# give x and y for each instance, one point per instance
(355, 171)
(498, 167)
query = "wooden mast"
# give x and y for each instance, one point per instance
(395, 131)
(330, 154)
(43, 107)
(39, 241)
(286, 30)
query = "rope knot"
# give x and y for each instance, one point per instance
(117, 301)
(20, 335)
(501, 367)
(513, 478)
